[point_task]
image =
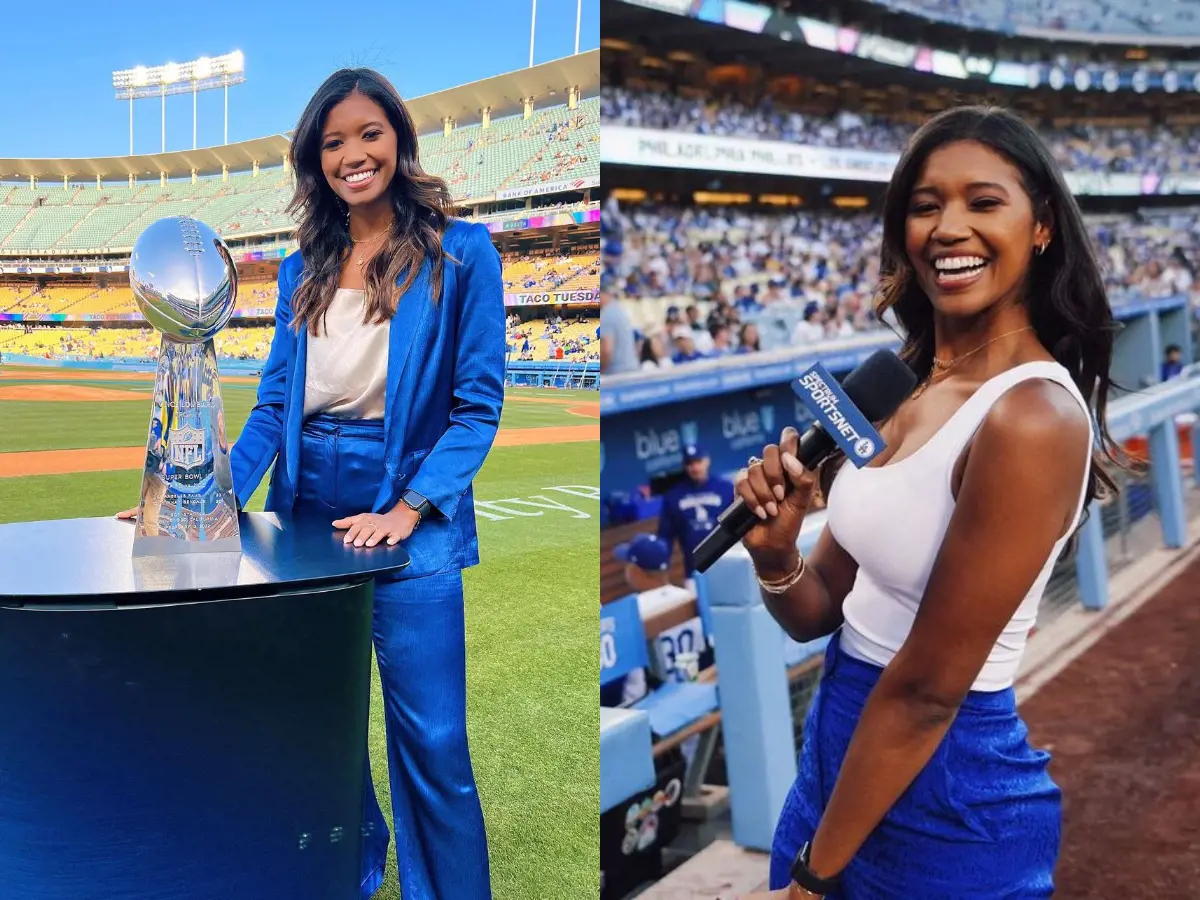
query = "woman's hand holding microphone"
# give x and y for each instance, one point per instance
(777, 489)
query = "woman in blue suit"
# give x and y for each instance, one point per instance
(378, 403)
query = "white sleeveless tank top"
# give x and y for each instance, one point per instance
(892, 520)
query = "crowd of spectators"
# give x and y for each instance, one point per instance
(549, 270)
(567, 336)
(713, 281)
(1092, 148)
(1177, 18)
(728, 118)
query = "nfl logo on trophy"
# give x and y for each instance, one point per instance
(185, 283)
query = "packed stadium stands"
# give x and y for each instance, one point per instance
(87, 299)
(1177, 18)
(713, 114)
(1083, 145)
(801, 277)
(132, 344)
(807, 275)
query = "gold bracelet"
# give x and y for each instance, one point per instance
(784, 584)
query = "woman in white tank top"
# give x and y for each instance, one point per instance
(916, 779)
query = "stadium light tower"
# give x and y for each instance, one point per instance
(532, 26)
(203, 74)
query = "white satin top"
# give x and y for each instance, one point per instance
(346, 374)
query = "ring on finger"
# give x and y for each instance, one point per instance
(753, 461)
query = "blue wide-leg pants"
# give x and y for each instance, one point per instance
(420, 645)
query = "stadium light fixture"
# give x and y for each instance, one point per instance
(203, 74)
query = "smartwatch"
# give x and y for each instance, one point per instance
(807, 878)
(417, 504)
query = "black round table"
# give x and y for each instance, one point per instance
(186, 727)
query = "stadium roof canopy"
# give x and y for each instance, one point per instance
(543, 82)
(267, 151)
(546, 83)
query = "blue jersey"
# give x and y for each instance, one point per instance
(689, 513)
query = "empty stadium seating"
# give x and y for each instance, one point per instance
(555, 144)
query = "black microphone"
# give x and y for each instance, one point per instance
(876, 388)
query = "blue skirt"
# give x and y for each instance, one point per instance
(982, 820)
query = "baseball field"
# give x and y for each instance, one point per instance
(72, 441)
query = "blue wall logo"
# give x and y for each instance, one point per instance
(642, 445)
(748, 428)
(823, 396)
(661, 449)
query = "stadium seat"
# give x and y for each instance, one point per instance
(674, 706)
(626, 764)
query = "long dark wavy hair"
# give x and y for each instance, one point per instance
(421, 203)
(1064, 289)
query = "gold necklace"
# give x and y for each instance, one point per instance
(941, 367)
(362, 260)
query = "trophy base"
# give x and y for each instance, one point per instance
(167, 545)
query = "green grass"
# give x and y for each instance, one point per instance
(28, 425)
(533, 718)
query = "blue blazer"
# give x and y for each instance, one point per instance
(445, 390)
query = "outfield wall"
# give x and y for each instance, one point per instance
(227, 366)
(561, 373)
(551, 373)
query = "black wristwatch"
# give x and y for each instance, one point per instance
(807, 878)
(417, 504)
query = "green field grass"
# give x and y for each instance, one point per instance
(533, 718)
(75, 426)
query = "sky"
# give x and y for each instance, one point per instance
(57, 98)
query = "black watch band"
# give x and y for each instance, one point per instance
(417, 504)
(807, 878)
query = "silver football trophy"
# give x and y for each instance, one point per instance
(185, 283)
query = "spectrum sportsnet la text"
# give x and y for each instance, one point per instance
(826, 400)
